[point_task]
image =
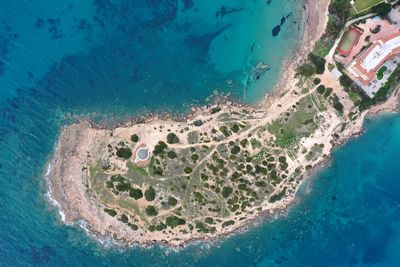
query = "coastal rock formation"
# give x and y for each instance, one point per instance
(169, 181)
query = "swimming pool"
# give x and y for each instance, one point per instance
(142, 154)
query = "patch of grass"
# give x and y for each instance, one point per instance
(301, 123)
(381, 72)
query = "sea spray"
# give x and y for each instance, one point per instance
(48, 194)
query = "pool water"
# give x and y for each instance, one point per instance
(142, 154)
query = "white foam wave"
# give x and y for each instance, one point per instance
(48, 194)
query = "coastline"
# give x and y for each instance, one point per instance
(309, 36)
(308, 39)
(314, 23)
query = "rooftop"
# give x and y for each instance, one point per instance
(365, 66)
(380, 51)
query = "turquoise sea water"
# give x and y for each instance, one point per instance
(62, 60)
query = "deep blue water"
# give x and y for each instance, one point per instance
(62, 60)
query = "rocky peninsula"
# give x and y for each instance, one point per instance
(172, 182)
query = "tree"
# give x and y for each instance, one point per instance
(123, 187)
(321, 89)
(173, 221)
(345, 81)
(172, 201)
(150, 194)
(172, 138)
(187, 170)
(383, 9)
(151, 211)
(198, 123)
(319, 63)
(124, 152)
(124, 218)
(110, 212)
(159, 148)
(134, 138)
(306, 70)
(171, 154)
(226, 191)
(317, 81)
(135, 193)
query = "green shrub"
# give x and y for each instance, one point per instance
(244, 142)
(382, 93)
(159, 148)
(306, 70)
(321, 89)
(337, 105)
(110, 184)
(278, 196)
(227, 223)
(150, 194)
(328, 92)
(382, 9)
(157, 170)
(223, 129)
(235, 128)
(111, 212)
(124, 218)
(171, 154)
(187, 170)
(319, 63)
(172, 201)
(317, 81)
(124, 152)
(151, 211)
(198, 123)
(345, 81)
(195, 157)
(117, 178)
(123, 187)
(134, 138)
(172, 138)
(135, 193)
(173, 221)
(226, 191)
(235, 149)
(215, 110)
(160, 227)
(134, 227)
(209, 220)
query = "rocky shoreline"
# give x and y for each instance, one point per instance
(57, 189)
